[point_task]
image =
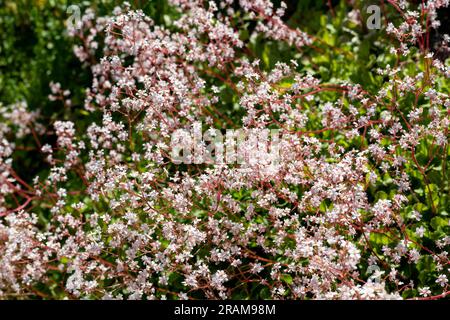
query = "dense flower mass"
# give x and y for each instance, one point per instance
(355, 205)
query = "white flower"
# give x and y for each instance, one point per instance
(420, 231)
(442, 280)
(425, 291)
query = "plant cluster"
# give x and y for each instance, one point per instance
(355, 207)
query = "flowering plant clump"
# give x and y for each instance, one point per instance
(224, 152)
